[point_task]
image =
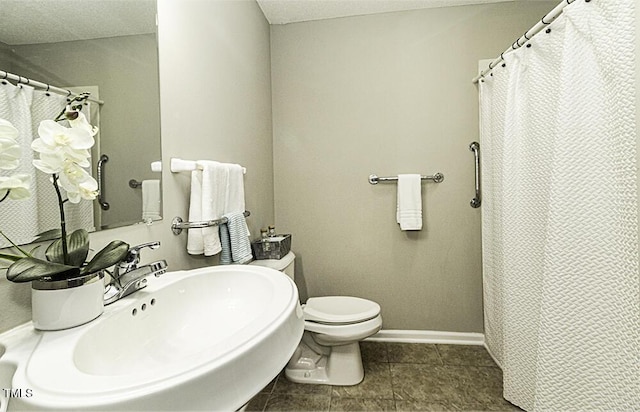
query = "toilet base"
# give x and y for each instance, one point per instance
(338, 365)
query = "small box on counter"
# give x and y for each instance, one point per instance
(273, 247)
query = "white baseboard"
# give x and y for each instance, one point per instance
(428, 336)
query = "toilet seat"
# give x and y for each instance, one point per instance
(339, 310)
(345, 332)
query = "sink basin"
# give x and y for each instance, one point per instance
(205, 339)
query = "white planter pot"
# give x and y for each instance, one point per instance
(63, 304)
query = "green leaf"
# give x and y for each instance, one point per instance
(14, 245)
(77, 245)
(12, 258)
(48, 235)
(28, 269)
(113, 253)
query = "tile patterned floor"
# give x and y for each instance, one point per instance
(400, 377)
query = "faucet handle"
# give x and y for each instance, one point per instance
(134, 252)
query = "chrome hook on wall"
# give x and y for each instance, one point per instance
(475, 148)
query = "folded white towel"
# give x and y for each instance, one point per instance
(215, 180)
(409, 208)
(156, 166)
(151, 199)
(239, 238)
(195, 245)
(179, 165)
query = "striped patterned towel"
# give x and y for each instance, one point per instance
(239, 237)
(225, 242)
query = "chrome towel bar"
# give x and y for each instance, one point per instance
(181, 165)
(475, 148)
(374, 179)
(177, 224)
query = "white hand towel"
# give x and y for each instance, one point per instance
(195, 245)
(151, 199)
(235, 193)
(239, 238)
(215, 180)
(409, 209)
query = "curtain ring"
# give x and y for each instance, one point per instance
(542, 20)
(525, 36)
(490, 66)
(47, 88)
(69, 92)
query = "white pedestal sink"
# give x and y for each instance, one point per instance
(205, 339)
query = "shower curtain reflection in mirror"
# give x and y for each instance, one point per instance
(22, 220)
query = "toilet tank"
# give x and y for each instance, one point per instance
(286, 264)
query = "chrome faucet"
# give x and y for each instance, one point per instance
(129, 277)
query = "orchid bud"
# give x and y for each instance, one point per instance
(71, 115)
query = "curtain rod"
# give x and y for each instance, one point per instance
(521, 41)
(40, 85)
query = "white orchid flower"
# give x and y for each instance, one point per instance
(7, 129)
(86, 190)
(53, 162)
(77, 183)
(50, 163)
(72, 175)
(54, 137)
(10, 150)
(17, 184)
(58, 144)
(10, 153)
(81, 122)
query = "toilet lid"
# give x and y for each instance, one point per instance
(340, 309)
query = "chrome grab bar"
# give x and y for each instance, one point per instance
(104, 205)
(475, 148)
(374, 179)
(177, 224)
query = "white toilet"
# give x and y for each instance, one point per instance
(329, 352)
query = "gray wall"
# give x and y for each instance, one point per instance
(6, 62)
(386, 94)
(126, 71)
(216, 104)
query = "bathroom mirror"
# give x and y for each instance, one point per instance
(107, 47)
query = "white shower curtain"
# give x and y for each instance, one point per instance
(560, 217)
(22, 220)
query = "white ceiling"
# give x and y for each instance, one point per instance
(292, 11)
(42, 21)
(47, 21)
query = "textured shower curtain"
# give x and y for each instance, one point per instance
(22, 220)
(559, 214)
